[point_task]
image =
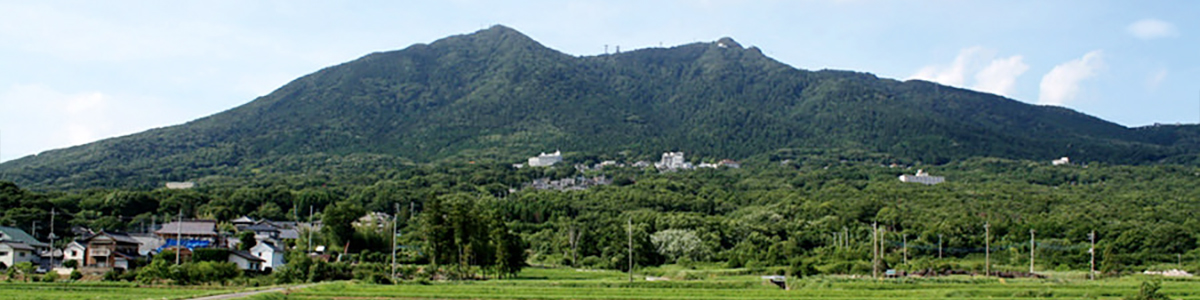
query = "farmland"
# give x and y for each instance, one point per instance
(102, 291)
(571, 284)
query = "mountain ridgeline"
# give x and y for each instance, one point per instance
(497, 94)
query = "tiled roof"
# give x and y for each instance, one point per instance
(246, 255)
(269, 246)
(18, 235)
(18, 245)
(260, 228)
(289, 234)
(195, 227)
(116, 236)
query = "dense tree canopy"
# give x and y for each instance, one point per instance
(790, 208)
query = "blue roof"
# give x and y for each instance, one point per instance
(18, 235)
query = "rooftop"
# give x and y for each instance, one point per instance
(192, 227)
(18, 235)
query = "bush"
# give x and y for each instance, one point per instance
(210, 255)
(592, 262)
(112, 275)
(50, 277)
(1149, 291)
(71, 264)
(372, 272)
(76, 275)
(801, 268)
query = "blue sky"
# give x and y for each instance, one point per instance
(79, 71)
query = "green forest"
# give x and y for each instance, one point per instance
(498, 95)
(798, 212)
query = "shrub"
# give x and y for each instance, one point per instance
(112, 275)
(210, 255)
(76, 275)
(71, 264)
(50, 277)
(1149, 291)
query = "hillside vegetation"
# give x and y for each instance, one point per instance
(498, 95)
(800, 212)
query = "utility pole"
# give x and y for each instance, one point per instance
(395, 223)
(51, 236)
(905, 238)
(1092, 251)
(33, 228)
(179, 236)
(874, 250)
(1032, 249)
(987, 248)
(939, 246)
(310, 228)
(630, 235)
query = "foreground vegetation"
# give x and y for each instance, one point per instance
(795, 212)
(571, 284)
(102, 291)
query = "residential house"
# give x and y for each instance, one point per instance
(272, 256)
(245, 261)
(148, 243)
(75, 251)
(109, 250)
(13, 234)
(12, 253)
(190, 234)
(243, 221)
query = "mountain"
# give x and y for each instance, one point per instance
(497, 94)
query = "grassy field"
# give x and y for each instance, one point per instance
(104, 291)
(561, 283)
(572, 284)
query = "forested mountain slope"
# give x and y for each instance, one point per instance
(497, 94)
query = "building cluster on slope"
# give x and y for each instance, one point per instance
(922, 178)
(99, 251)
(670, 161)
(568, 184)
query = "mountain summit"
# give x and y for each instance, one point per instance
(497, 93)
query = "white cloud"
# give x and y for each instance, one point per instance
(1061, 84)
(991, 74)
(955, 73)
(1149, 29)
(1000, 77)
(37, 118)
(1155, 79)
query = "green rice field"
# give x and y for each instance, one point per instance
(101, 291)
(572, 284)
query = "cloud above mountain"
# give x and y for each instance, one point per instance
(991, 74)
(1062, 84)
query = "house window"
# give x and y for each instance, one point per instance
(3, 253)
(74, 252)
(22, 254)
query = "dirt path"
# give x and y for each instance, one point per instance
(251, 293)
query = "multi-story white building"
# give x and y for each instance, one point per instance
(922, 178)
(1061, 161)
(672, 161)
(545, 160)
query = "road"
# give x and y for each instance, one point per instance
(250, 293)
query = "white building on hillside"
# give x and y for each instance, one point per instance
(673, 161)
(1061, 161)
(922, 178)
(545, 160)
